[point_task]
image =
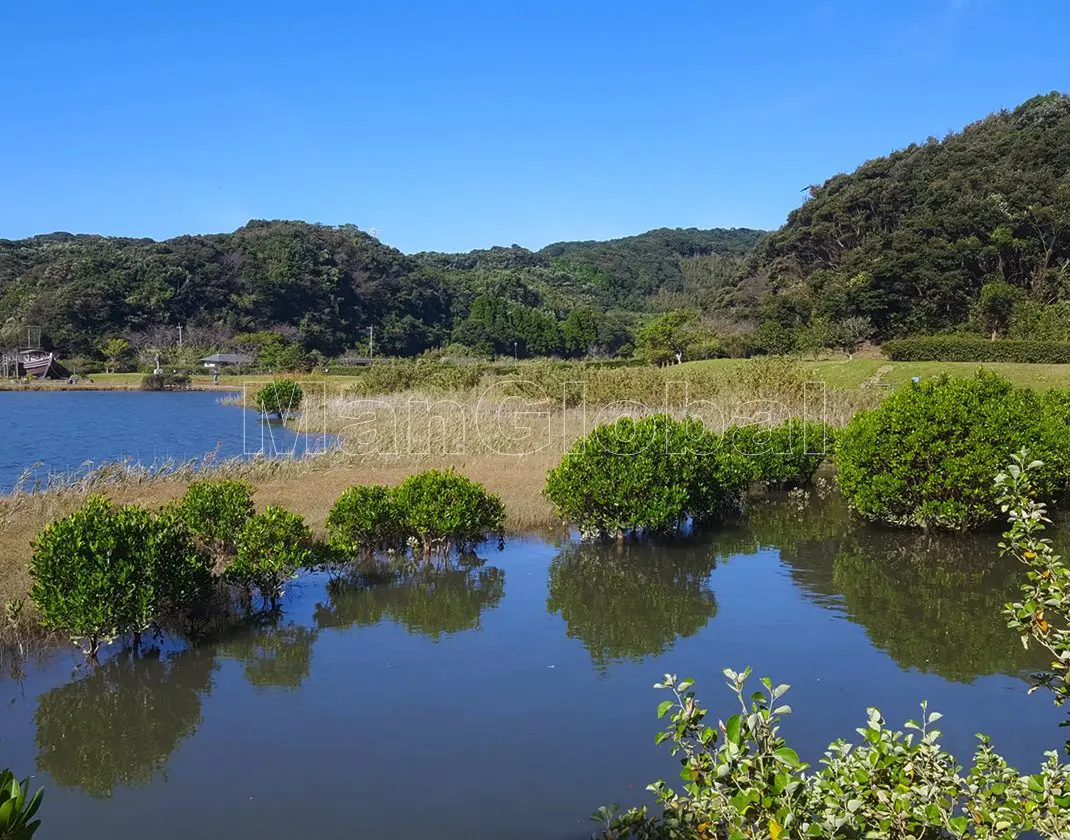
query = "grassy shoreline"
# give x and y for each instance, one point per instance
(843, 374)
(507, 443)
(308, 487)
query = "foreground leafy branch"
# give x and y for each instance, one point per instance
(742, 780)
(17, 808)
(1043, 614)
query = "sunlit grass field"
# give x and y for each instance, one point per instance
(837, 373)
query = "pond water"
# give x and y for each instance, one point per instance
(60, 432)
(512, 698)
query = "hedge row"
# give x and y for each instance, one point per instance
(976, 349)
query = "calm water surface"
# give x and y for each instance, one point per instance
(509, 700)
(60, 431)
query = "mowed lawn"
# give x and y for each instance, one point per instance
(850, 373)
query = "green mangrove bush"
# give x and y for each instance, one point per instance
(272, 547)
(17, 808)
(280, 397)
(216, 511)
(104, 571)
(646, 476)
(926, 456)
(366, 519)
(782, 456)
(445, 510)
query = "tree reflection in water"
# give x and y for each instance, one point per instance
(429, 599)
(273, 654)
(627, 601)
(934, 603)
(931, 601)
(120, 724)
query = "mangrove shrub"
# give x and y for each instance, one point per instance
(17, 808)
(106, 571)
(280, 397)
(743, 780)
(216, 511)
(927, 454)
(365, 519)
(1042, 615)
(445, 510)
(648, 475)
(272, 547)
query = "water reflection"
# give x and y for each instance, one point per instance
(428, 600)
(273, 653)
(932, 602)
(632, 600)
(120, 724)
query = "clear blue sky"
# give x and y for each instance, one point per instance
(453, 125)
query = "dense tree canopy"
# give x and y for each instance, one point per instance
(909, 241)
(321, 288)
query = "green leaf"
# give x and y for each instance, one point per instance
(788, 756)
(6, 811)
(731, 729)
(664, 707)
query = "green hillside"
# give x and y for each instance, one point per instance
(909, 240)
(321, 287)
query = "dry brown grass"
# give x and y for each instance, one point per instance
(307, 487)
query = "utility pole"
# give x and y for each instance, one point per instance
(371, 342)
(179, 335)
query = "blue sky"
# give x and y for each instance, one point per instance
(453, 125)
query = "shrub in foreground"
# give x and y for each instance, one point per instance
(216, 511)
(281, 397)
(646, 476)
(782, 456)
(105, 571)
(742, 780)
(271, 548)
(927, 454)
(445, 510)
(1042, 616)
(17, 808)
(365, 519)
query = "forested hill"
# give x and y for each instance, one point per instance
(908, 240)
(323, 286)
(628, 273)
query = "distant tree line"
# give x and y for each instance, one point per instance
(295, 293)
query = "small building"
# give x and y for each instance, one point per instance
(220, 360)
